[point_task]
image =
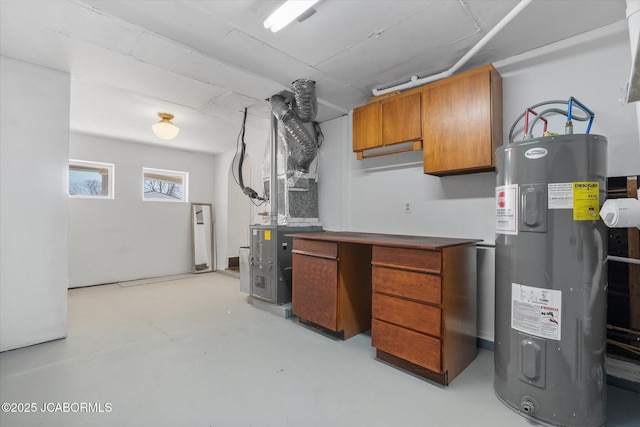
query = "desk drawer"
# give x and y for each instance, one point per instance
(315, 248)
(408, 284)
(412, 346)
(419, 317)
(411, 258)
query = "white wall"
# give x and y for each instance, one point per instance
(333, 175)
(128, 238)
(231, 233)
(34, 146)
(369, 195)
(239, 210)
(593, 67)
(221, 164)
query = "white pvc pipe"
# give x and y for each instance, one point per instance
(624, 259)
(633, 18)
(415, 81)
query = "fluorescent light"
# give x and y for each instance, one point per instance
(286, 13)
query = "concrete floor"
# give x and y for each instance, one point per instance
(192, 352)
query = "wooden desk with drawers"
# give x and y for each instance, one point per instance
(416, 294)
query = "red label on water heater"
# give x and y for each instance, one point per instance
(501, 199)
(507, 209)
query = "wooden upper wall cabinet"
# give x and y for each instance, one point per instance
(367, 125)
(462, 122)
(401, 121)
(392, 120)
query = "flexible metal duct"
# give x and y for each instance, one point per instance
(306, 105)
(286, 109)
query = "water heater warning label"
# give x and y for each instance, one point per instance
(586, 201)
(507, 209)
(560, 195)
(536, 311)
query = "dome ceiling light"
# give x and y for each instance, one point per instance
(165, 128)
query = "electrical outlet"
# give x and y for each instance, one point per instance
(407, 207)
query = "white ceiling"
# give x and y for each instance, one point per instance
(205, 61)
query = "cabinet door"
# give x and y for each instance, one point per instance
(367, 127)
(401, 118)
(315, 290)
(457, 120)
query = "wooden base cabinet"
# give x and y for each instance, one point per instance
(332, 286)
(424, 309)
(416, 294)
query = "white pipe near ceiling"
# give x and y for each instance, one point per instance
(415, 81)
(633, 18)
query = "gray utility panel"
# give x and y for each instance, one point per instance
(551, 276)
(270, 261)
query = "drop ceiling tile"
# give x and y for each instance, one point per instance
(125, 73)
(430, 63)
(230, 101)
(528, 31)
(326, 113)
(339, 25)
(489, 12)
(165, 54)
(441, 25)
(249, 53)
(260, 109)
(340, 94)
(64, 19)
(175, 20)
(193, 39)
(89, 25)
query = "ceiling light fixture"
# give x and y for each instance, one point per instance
(286, 13)
(165, 128)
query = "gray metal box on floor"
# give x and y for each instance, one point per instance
(245, 270)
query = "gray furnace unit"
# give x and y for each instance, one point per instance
(270, 261)
(291, 192)
(551, 272)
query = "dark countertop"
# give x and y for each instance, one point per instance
(393, 240)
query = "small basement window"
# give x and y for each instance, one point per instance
(91, 180)
(160, 185)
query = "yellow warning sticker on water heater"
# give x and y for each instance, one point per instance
(267, 234)
(586, 201)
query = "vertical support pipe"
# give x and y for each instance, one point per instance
(273, 183)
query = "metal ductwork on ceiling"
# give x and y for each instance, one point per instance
(293, 110)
